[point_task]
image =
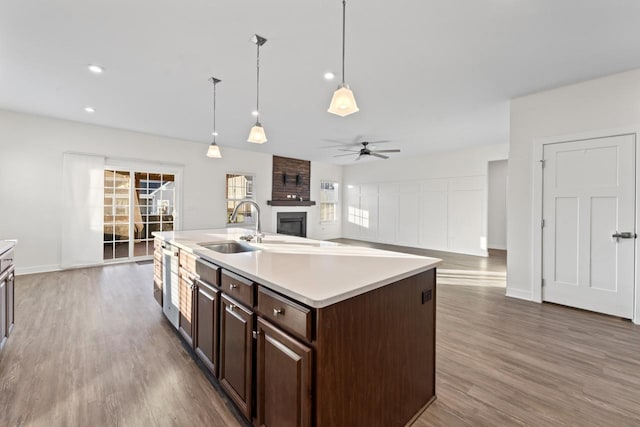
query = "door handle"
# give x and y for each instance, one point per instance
(624, 235)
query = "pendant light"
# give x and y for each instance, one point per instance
(257, 135)
(343, 102)
(214, 150)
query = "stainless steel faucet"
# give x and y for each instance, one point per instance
(258, 234)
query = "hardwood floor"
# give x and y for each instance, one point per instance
(92, 348)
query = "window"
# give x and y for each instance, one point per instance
(328, 201)
(240, 187)
(135, 205)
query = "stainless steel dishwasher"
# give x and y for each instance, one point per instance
(170, 285)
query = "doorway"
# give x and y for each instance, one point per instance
(135, 205)
(497, 205)
(588, 224)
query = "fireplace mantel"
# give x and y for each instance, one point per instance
(291, 203)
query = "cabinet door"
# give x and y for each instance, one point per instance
(10, 302)
(3, 311)
(236, 349)
(206, 336)
(157, 273)
(186, 309)
(284, 379)
(157, 290)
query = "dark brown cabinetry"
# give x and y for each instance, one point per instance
(238, 288)
(10, 302)
(157, 270)
(366, 360)
(186, 291)
(236, 353)
(7, 292)
(3, 311)
(206, 325)
(283, 379)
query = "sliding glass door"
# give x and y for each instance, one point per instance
(135, 205)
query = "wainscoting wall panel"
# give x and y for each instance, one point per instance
(446, 214)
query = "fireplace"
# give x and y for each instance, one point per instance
(292, 223)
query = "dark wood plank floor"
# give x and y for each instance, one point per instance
(91, 348)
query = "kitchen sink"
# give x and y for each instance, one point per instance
(230, 247)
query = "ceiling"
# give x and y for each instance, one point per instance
(430, 75)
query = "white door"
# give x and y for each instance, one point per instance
(588, 197)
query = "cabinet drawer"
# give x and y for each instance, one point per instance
(238, 287)
(285, 313)
(209, 273)
(188, 261)
(157, 244)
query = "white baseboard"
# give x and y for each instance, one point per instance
(499, 247)
(21, 271)
(519, 294)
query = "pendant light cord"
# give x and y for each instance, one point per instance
(258, 84)
(214, 112)
(344, 20)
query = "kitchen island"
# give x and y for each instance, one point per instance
(301, 332)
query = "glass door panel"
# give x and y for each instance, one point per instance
(116, 214)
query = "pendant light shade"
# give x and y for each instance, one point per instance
(214, 150)
(257, 134)
(343, 102)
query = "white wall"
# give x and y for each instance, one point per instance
(602, 104)
(437, 201)
(497, 221)
(31, 149)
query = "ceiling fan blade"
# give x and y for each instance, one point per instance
(379, 155)
(387, 151)
(358, 158)
(382, 141)
(339, 141)
(342, 155)
(351, 151)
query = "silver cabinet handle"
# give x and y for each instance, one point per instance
(624, 235)
(231, 307)
(278, 311)
(233, 286)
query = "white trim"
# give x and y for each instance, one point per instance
(519, 294)
(538, 147)
(22, 271)
(498, 247)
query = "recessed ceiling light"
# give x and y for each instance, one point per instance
(329, 75)
(95, 69)
(254, 113)
(89, 109)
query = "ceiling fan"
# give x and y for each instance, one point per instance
(367, 151)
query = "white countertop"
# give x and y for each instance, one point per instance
(314, 272)
(5, 245)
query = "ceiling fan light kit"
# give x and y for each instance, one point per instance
(343, 102)
(214, 150)
(257, 134)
